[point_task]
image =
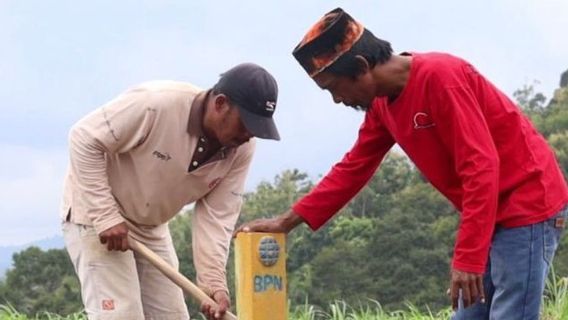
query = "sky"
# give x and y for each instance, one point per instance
(61, 59)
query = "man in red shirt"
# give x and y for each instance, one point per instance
(466, 137)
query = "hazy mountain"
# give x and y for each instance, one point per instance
(6, 252)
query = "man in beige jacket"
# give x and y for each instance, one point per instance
(136, 162)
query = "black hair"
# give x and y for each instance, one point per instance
(376, 51)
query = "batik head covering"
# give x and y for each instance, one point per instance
(327, 41)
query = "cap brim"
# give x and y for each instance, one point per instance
(259, 126)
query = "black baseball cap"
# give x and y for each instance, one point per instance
(255, 92)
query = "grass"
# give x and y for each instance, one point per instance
(339, 310)
(8, 312)
(556, 301)
(555, 307)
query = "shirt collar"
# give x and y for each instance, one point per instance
(195, 121)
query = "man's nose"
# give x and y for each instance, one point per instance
(337, 99)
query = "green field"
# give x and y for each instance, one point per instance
(555, 308)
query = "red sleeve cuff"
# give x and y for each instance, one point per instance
(466, 267)
(313, 221)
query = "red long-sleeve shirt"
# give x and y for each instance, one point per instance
(468, 139)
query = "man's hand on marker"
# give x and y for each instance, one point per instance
(283, 223)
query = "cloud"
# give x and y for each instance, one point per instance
(548, 19)
(30, 189)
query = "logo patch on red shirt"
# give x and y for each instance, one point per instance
(422, 121)
(108, 304)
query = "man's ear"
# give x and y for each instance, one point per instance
(362, 65)
(221, 101)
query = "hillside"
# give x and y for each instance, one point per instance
(6, 252)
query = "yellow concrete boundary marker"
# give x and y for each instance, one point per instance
(260, 266)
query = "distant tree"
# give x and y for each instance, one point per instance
(412, 248)
(271, 198)
(395, 173)
(529, 100)
(559, 142)
(342, 271)
(41, 281)
(564, 79)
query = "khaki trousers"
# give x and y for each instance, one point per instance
(119, 285)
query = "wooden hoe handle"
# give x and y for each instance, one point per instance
(174, 275)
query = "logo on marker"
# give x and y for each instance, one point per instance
(268, 251)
